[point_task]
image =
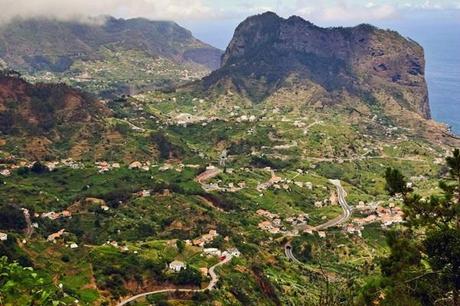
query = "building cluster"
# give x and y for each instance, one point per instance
(272, 224)
(301, 219)
(137, 165)
(51, 165)
(56, 215)
(104, 166)
(375, 213)
(271, 182)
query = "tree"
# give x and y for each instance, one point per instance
(26, 283)
(180, 244)
(437, 219)
(39, 168)
(395, 182)
(12, 218)
(189, 276)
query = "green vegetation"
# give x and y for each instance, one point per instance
(128, 224)
(423, 266)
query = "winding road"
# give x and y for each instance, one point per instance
(211, 286)
(346, 214)
(289, 254)
(347, 210)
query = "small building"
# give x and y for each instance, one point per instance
(3, 237)
(177, 266)
(322, 234)
(53, 237)
(73, 246)
(5, 172)
(212, 252)
(234, 252)
(135, 165)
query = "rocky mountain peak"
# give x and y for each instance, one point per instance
(364, 62)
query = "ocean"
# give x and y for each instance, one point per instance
(442, 55)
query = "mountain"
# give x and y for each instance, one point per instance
(79, 52)
(269, 54)
(34, 117)
(45, 44)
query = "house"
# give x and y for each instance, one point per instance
(212, 252)
(135, 165)
(234, 252)
(177, 266)
(144, 193)
(5, 172)
(267, 214)
(206, 238)
(53, 215)
(57, 235)
(3, 237)
(265, 225)
(73, 246)
(322, 234)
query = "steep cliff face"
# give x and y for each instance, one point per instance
(268, 53)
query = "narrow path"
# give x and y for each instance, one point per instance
(211, 286)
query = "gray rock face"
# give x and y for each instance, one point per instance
(364, 61)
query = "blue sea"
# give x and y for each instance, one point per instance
(438, 33)
(442, 54)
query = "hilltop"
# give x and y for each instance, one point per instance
(275, 60)
(33, 117)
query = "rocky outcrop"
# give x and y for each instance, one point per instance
(269, 53)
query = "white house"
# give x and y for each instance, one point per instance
(3, 237)
(177, 266)
(212, 252)
(234, 252)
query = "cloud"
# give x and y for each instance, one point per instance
(73, 9)
(206, 10)
(344, 11)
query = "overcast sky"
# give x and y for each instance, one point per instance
(214, 20)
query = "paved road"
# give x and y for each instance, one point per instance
(211, 286)
(347, 210)
(346, 214)
(289, 254)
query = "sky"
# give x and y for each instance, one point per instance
(214, 20)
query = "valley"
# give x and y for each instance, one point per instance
(247, 185)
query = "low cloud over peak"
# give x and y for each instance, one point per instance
(354, 11)
(81, 9)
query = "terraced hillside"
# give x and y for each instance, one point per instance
(106, 55)
(196, 198)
